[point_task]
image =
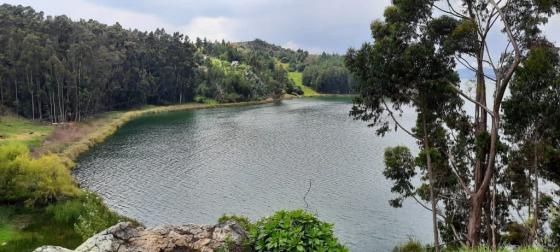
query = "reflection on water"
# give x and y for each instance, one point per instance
(194, 166)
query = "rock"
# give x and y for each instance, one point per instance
(52, 249)
(124, 237)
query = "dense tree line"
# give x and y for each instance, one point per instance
(265, 60)
(296, 60)
(480, 169)
(53, 68)
(327, 74)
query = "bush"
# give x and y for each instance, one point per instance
(294, 231)
(95, 216)
(243, 221)
(42, 180)
(554, 238)
(67, 212)
(410, 246)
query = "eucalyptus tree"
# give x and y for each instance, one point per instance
(398, 68)
(531, 121)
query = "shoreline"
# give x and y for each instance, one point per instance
(75, 138)
(71, 140)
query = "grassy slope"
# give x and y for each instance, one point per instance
(296, 77)
(16, 129)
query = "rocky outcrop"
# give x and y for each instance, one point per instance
(124, 237)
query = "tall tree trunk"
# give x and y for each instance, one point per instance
(17, 99)
(77, 94)
(493, 225)
(1, 93)
(475, 218)
(431, 177)
(481, 124)
(536, 185)
(32, 107)
(59, 98)
(30, 86)
(39, 102)
(51, 105)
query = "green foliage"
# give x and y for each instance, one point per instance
(410, 246)
(66, 212)
(411, 64)
(15, 129)
(42, 180)
(327, 74)
(294, 231)
(229, 246)
(95, 216)
(64, 223)
(243, 221)
(400, 167)
(554, 238)
(25, 229)
(296, 78)
(56, 69)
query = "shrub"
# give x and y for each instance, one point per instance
(42, 180)
(243, 221)
(294, 231)
(410, 246)
(554, 237)
(95, 216)
(67, 212)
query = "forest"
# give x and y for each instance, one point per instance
(56, 69)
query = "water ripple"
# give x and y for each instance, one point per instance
(192, 167)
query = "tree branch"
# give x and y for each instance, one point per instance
(426, 207)
(454, 11)
(466, 64)
(448, 12)
(468, 191)
(508, 30)
(397, 122)
(472, 100)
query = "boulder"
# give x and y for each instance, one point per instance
(125, 237)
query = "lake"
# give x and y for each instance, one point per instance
(194, 166)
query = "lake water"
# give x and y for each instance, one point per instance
(194, 166)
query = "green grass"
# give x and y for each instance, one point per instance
(16, 129)
(7, 231)
(502, 250)
(24, 229)
(296, 77)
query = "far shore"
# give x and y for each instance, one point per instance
(73, 139)
(70, 140)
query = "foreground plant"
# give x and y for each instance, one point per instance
(293, 231)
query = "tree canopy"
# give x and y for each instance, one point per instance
(463, 160)
(57, 69)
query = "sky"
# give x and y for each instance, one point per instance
(313, 25)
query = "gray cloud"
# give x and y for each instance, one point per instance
(328, 25)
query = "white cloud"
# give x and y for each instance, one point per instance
(213, 28)
(552, 30)
(291, 45)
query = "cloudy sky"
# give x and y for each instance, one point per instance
(314, 25)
